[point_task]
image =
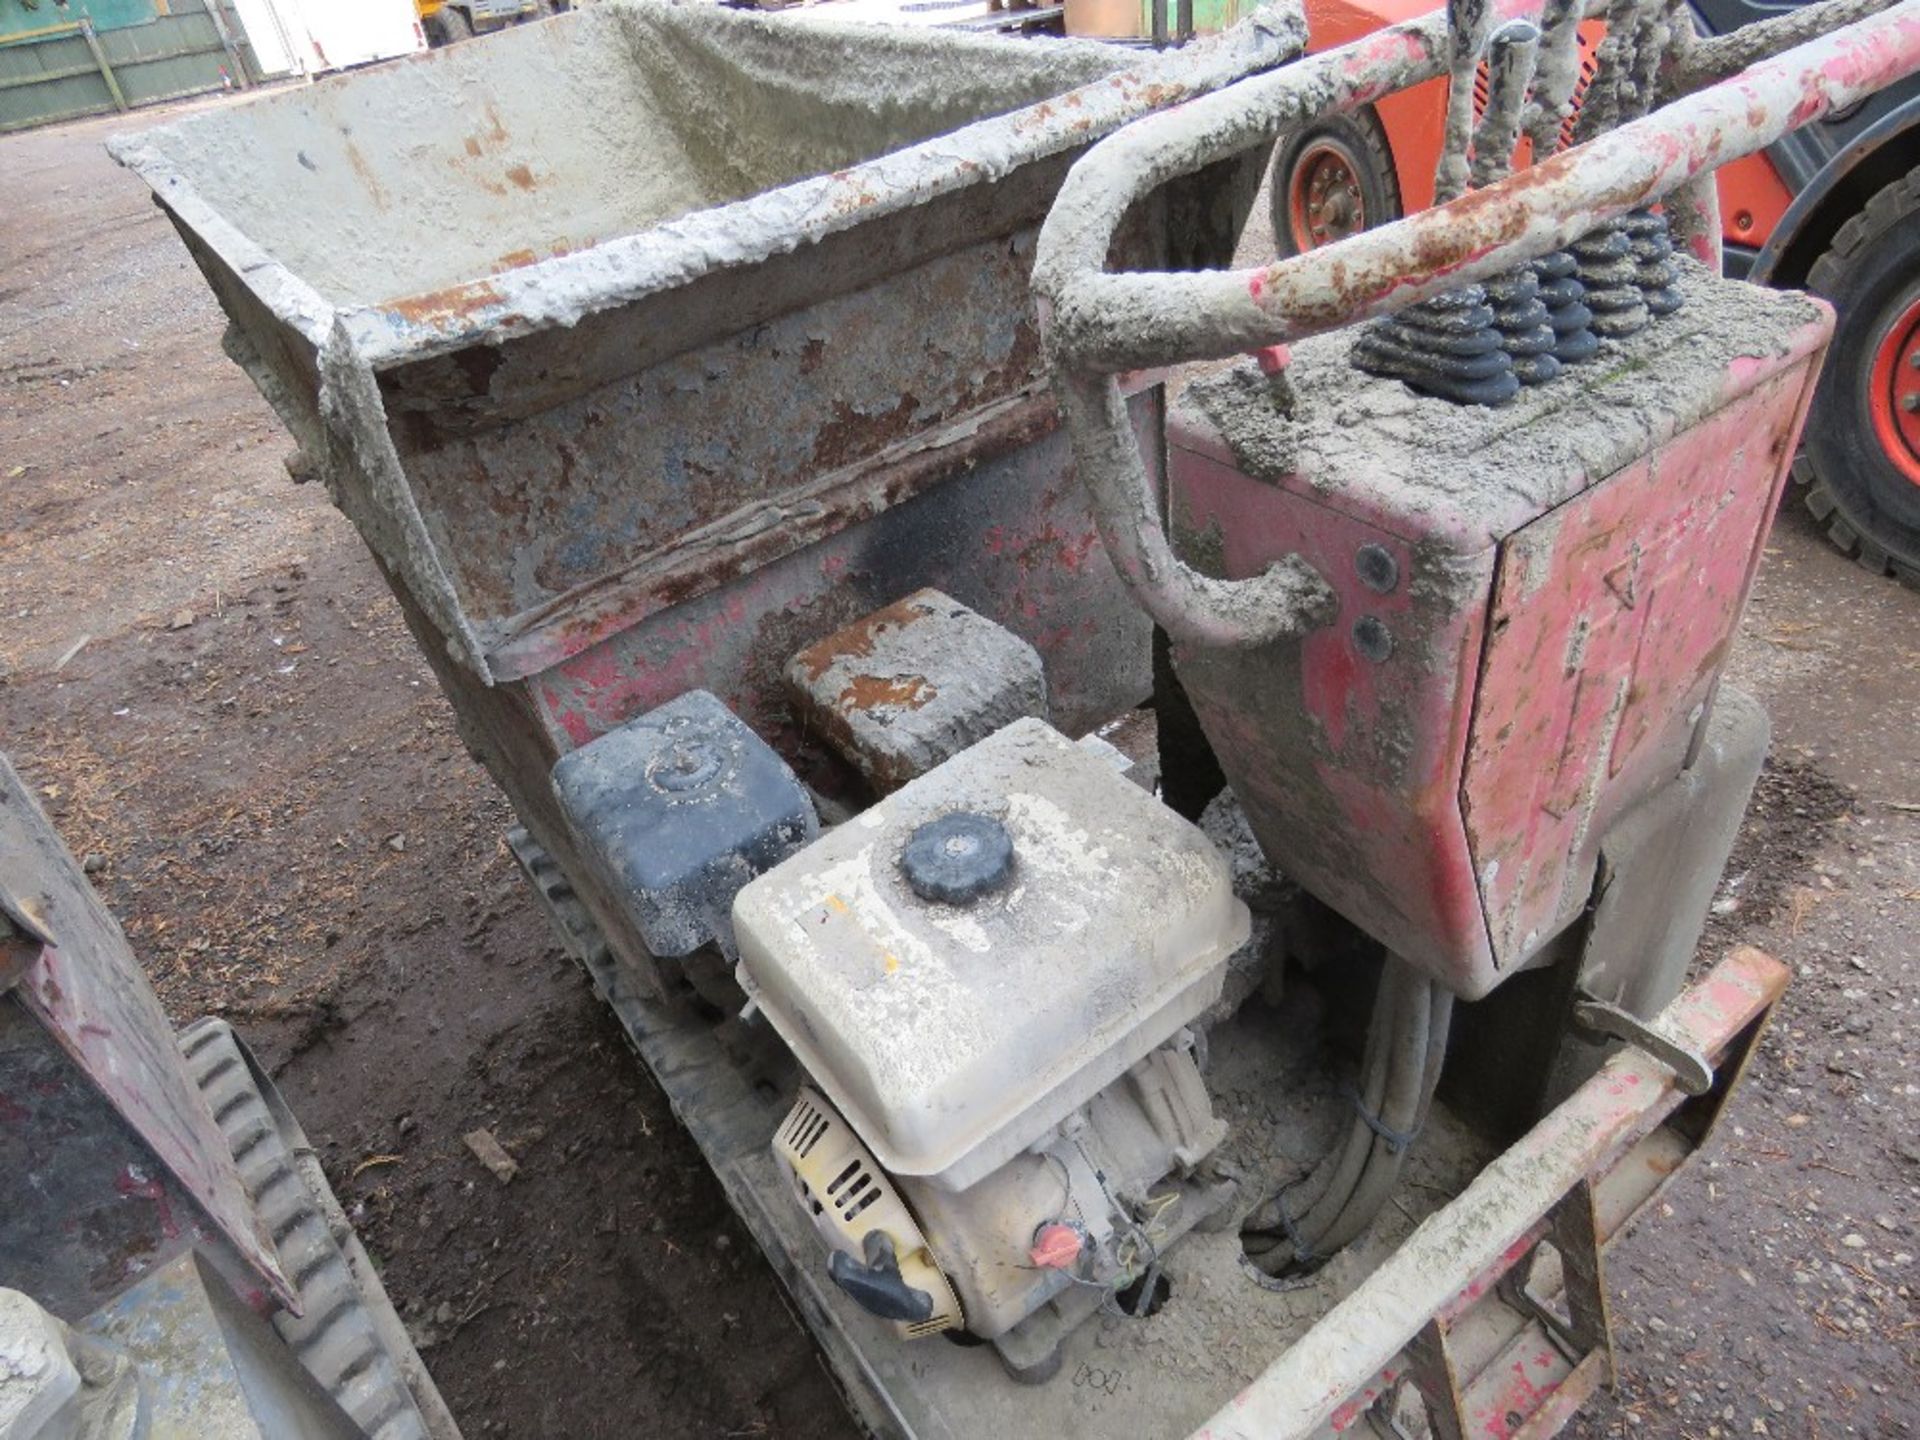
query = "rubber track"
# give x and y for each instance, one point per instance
(334, 1338)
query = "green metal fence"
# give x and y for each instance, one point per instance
(78, 66)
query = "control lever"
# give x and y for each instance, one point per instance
(1691, 1072)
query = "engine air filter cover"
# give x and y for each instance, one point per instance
(678, 809)
(952, 1036)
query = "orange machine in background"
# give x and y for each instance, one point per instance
(1834, 208)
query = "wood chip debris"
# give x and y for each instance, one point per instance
(492, 1154)
(71, 651)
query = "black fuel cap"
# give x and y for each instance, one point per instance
(958, 858)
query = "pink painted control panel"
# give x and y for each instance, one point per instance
(1535, 605)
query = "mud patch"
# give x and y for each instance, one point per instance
(1791, 816)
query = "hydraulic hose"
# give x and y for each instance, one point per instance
(1301, 1227)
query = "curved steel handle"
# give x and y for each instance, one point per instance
(1191, 607)
(1098, 325)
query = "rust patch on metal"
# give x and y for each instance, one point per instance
(899, 692)
(458, 303)
(856, 641)
(539, 638)
(835, 386)
(375, 191)
(518, 259)
(849, 434)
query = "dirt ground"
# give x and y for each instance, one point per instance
(204, 676)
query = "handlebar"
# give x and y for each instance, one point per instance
(1098, 325)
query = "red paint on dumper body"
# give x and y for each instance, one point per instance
(1534, 607)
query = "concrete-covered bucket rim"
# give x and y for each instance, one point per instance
(525, 293)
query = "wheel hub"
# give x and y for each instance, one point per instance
(1893, 392)
(1324, 201)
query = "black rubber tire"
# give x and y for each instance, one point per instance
(1870, 274)
(454, 24)
(1363, 137)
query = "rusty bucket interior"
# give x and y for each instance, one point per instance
(510, 297)
(555, 138)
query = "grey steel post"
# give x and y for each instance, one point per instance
(100, 59)
(227, 43)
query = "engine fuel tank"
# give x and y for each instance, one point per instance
(964, 965)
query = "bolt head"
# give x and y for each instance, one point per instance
(1372, 638)
(1377, 568)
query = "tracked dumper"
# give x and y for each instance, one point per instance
(1153, 820)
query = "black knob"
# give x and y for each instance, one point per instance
(958, 858)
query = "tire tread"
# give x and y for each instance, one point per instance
(1832, 522)
(1886, 209)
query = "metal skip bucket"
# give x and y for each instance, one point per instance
(650, 343)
